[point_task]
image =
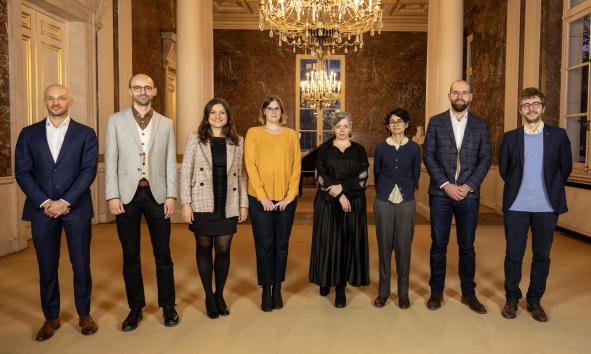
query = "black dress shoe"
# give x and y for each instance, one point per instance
(509, 311)
(221, 305)
(211, 307)
(276, 297)
(403, 302)
(131, 321)
(324, 290)
(266, 301)
(380, 301)
(170, 317)
(473, 303)
(434, 302)
(537, 312)
(340, 299)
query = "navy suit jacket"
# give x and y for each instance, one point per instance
(69, 178)
(440, 153)
(557, 165)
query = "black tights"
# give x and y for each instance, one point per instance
(207, 266)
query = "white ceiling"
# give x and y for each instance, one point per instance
(398, 15)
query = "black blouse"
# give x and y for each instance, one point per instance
(220, 181)
(348, 168)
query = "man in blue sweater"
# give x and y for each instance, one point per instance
(534, 161)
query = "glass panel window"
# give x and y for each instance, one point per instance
(307, 140)
(578, 83)
(579, 41)
(576, 127)
(308, 119)
(574, 3)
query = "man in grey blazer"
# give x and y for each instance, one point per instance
(140, 178)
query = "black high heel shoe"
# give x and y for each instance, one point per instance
(221, 305)
(211, 308)
(340, 300)
(266, 300)
(324, 290)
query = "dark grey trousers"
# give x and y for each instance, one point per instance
(395, 226)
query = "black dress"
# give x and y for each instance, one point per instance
(339, 240)
(216, 223)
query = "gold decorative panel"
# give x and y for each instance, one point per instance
(51, 30)
(26, 20)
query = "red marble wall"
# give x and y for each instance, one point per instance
(487, 21)
(388, 72)
(149, 18)
(5, 151)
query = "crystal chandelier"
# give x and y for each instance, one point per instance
(321, 26)
(320, 88)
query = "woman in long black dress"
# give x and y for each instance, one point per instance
(214, 197)
(339, 240)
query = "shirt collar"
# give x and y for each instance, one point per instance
(64, 123)
(391, 142)
(137, 114)
(453, 117)
(538, 130)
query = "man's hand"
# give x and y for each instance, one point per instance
(116, 207)
(267, 204)
(243, 214)
(187, 212)
(56, 208)
(455, 192)
(466, 188)
(281, 205)
(345, 204)
(168, 207)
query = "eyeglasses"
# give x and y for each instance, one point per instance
(460, 93)
(396, 122)
(535, 105)
(273, 109)
(138, 89)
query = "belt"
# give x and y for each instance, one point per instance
(143, 183)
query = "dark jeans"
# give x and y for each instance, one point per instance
(47, 240)
(517, 224)
(271, 231)
(128, 228)
(466, 214)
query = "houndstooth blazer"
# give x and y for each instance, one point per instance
(197, 177)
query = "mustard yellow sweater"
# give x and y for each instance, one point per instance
(273, 163)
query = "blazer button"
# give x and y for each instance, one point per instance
(139, 169)
(201, 169)
(201, 184)
(234, 174)
(234, 189)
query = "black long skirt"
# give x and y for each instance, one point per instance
(339, 243)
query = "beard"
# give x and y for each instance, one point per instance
(534, 119)
(460, 107)
(60, 113)
(143, 101)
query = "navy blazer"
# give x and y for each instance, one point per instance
(69, 178)
(440, 153)
(557, 165)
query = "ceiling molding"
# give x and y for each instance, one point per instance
(398, 15)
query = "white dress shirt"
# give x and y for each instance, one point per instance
(538, 130)
(459, 127)
(56, 135)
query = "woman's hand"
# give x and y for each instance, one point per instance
(345, 204)
(267, 204)
(335, 189)
(243, 214)
(281, 205)
(187, 212)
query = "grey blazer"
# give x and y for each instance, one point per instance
(123, 158)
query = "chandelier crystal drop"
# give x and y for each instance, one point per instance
(321, 26)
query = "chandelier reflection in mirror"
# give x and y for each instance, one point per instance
(321, 26)
(320, 88)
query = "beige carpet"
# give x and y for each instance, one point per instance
(308, 323)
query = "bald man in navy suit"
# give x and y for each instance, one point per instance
(55, 163)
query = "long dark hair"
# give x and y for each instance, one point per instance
(229, 130)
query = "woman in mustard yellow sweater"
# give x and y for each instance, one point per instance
(273, 162)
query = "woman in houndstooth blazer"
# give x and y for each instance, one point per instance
(214, 197)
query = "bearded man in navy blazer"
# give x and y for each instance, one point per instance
(535, 161)
(457, 155)
(55, 163)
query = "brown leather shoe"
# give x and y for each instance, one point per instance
(380, 301)
(87, 325)
(509, 310)
(47, 330)
(537, 312)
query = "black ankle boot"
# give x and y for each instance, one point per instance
(221, 305)
(340, 300)
(266, 301)
(324, 290)
(211, 307)
(276, 297)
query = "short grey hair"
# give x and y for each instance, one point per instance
(338, 116)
